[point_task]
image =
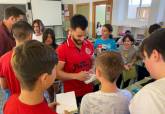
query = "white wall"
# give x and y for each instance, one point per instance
(157, 12)
(154, 11)
(120, 9)
(119, 15)
(13, 1)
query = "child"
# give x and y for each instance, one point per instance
(120, 41)
(151, 98)
(49, 38)
(110, 99)
(22, 32)
(128, 51)
(35, 66)
(106, 42)
(38, 27)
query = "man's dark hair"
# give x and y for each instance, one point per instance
(31, 60)
(12, 11)
(21, 30)
(129, 36)
(79, 21)
(111, 64)
(154, 42)
(153, 27)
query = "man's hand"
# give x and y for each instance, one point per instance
(53, 105)
(82, 76)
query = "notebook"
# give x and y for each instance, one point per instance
(67, 101)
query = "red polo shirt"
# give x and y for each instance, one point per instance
(6, 72)
(7, 42)
(15, 106)
(76, 60)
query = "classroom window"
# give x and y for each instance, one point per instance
(139, 9)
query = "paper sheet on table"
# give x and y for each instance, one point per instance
(67, 101)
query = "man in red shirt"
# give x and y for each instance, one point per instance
(22, 32)
(75, 59)
(12, 15)
(35, 66)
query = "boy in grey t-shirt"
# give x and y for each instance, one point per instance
(110, 99)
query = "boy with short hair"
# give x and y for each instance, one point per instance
(35, 66)
(110, 99)
(151, 98)
(22, 31)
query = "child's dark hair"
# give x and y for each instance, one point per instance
(21, 30)
(127, 32)
(40, 23)
(31, 60)
(153, 28)
(79, 21)
(129, 36)
(109, 27)
(45, 36)
(111, 64)
(154, 42)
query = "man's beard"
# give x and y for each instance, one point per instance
(78, 42)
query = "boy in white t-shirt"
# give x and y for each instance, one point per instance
(151, 98)
(109, 99)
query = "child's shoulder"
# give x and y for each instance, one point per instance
(126, 93)
(11, 103)
(6, 56)
(154, 87)
(91, 95)
(13, 98)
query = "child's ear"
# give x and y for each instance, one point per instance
(43, 77)
(156, 56)
(98, 72)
